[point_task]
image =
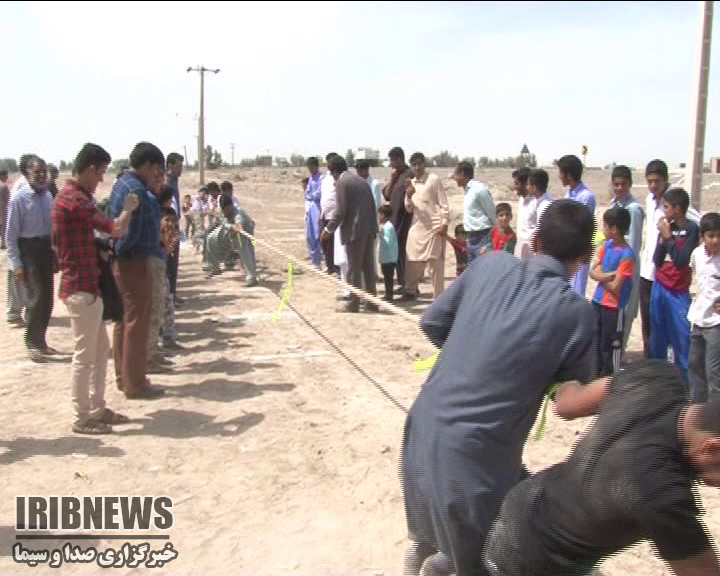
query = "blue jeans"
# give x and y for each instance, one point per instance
(477, 242)
(669, 325)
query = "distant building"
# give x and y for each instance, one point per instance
(369, 154)
(281, 162)
(265, 161)
(715, 165)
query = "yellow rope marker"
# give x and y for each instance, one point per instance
(598, 237)
(286, 294)
(427, 364)
(549, 395)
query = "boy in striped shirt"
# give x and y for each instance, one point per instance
(613, 269)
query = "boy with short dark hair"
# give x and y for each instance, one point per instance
(704, 314)
(502, 236)
(538, 181)
(388, 250)
(460, 246)
(670, 295)
(613, 269)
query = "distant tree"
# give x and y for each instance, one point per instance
(282, 162)
(248, 163)
(119, 163)
(483, 161)
(350, 157)
(213, 158)
(525, 161)
(63, 165)
(9, 164)
(444, 159)
(297, 160)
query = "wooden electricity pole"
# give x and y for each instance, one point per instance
(201, 118)
(697, 128)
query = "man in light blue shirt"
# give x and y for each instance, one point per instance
(478, 210)
(622, 183)
(570, 170)
(29, 228)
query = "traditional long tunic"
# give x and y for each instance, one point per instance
(508, 329)
(430, 210)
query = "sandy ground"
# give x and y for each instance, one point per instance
(280, 456)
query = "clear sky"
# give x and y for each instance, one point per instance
(477, 78)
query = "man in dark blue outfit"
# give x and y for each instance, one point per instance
(508, 330)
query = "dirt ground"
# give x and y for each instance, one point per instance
(281, 457)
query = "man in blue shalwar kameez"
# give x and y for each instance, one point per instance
(312, 212)
(508, 330)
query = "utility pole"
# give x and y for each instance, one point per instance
(187, 162)
(201, 118)
(232, 155)
(697, 128)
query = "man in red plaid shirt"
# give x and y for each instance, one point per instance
(74, 219)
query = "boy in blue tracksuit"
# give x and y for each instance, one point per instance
(670, 296)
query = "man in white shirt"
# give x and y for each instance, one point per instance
(704, 314)
(526, 203)
(656, 175)
(327, 211)
(538, 181)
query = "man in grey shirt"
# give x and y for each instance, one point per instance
(508, 330)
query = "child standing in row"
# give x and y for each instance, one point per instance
(460, 246)
(502, 235)
(704, 314)
(613, 268)
(670, 295)
(388, 250)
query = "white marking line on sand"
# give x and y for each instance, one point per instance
(311, 354)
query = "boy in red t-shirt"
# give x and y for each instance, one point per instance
(459, 244)
(502, 235)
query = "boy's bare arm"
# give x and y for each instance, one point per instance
(614, 285)
(575, 400)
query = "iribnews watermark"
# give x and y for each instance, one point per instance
(75, 517)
